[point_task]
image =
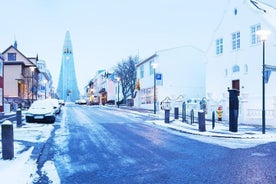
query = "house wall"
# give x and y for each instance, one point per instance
(19, 57)
(248, 56)
(12, 72)
(183, 74)
(1, 84)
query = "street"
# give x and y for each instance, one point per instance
(93, 144)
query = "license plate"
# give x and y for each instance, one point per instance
(38, 117)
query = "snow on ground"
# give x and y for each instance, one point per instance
(246, 137)
(22, 168)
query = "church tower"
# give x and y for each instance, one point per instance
(67, 85)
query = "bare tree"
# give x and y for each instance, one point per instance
(126, 71)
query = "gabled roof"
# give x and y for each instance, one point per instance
(146, 60)
(2, 57)
(266, 11)
(12, 47)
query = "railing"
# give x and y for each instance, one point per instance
(257, 113)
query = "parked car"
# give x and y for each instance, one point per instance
(55, 104)
(61, 102)
(41, 111)
(80, 101)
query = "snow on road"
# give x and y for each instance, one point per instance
(22, 169)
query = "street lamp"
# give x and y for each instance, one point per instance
(263, 36)
(32, 70)
(154, 66)
(118, 81)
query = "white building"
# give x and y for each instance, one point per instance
(103, 87)
(181, 72)
(44, 80)
(235, 61)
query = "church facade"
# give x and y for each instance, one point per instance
(235, 61)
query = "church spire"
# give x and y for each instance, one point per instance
(15, 44)
(67, 84)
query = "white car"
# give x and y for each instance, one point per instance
(55, 104)
(41, 111)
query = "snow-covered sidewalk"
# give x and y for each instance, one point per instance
(221, 128)
(22, 168)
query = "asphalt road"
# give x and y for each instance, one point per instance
(92, 144)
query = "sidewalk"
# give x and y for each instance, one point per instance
(221, 128)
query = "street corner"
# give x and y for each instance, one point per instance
(221, 129)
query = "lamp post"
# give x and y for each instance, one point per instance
(32, 70)
(118, 81)
(263, 36)
(154, 66)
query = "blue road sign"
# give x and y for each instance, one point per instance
(158, 76)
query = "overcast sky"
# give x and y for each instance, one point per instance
(104, 32)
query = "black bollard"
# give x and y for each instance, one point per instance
(18, 118)
(176, 112)
(167, 116)
(192, 116)
(233, 110)
(7, 140)
(213, 120)
(201, 121)
(184, 112)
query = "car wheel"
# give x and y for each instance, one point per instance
(28, 119)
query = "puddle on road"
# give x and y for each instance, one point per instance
(257, 154)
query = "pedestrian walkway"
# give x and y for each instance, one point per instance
(221, 128)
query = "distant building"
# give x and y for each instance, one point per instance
(102, 88)
(180, 72)
(45, 81)
(67, 85)
(235, 61)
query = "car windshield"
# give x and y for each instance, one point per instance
(40, 105)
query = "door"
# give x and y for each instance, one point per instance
(236, 85)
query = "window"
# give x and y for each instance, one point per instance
(11, 56)
(219, 46)
(150, 67)
(245, 68)
(235, 68)
(236, 41)
(142, 71)
(225, 72)
(255, 38)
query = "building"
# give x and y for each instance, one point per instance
(1, 83)
(21, 77)
(180, 72)
(45, 81)
(235, 61)
(67, 85)
(102, 88)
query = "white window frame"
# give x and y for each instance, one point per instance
(236, 40)
(219, 46)
(255, 39)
